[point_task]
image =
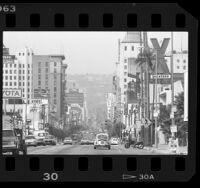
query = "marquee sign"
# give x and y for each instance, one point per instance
(12, 93)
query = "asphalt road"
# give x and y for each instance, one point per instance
(86, 150)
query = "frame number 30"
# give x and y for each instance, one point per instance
(50, 176)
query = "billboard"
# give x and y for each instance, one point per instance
(12, 93)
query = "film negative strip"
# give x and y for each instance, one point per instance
(98, 92)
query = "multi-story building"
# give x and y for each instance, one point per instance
(110, 101)
(129, 48)
(49, 76)
(75, 104)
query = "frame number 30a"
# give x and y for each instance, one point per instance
(50, 176)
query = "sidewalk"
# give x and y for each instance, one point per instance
(164, 149)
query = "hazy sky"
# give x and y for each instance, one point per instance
(85, 52)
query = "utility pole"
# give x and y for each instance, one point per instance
(156, 91)
(172, 84)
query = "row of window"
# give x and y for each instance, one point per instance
(15, 72)
(15, 65)
(15, 84)
(178, 60)
(178, 67)
(22, 54)
(46, 64)
(126, 48)
(15, 77)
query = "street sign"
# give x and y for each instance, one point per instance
(161, 76)
(155, 114)
(12, 93)
(171, 115)
(36, 101)
(173, 128)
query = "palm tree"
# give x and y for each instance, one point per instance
(145, 62)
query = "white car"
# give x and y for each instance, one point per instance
(102, 140)
(114, 141)
(30, 140)
(67, 140)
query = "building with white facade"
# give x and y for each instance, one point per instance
(110, 103)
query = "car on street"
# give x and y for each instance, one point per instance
(102, 140)
(40, 136)
(84, 141)
(30, 140)
(50, 140)
(114, 141)
(10, 142)
(67, 140)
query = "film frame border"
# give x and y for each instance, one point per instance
(117, 14)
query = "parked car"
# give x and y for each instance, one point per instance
(91, 141)
(50, 140)
(10, 142)
(102, 140)
(30, 140)
(84, 141)
(67, 140)
(114, 141)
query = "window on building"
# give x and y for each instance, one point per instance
(19, 83)
(39, 70)
(15, 65)
(15, 71)
(124, 92)
(177, 67)
(10, 65)
(125, 66)
(10, 71)
(29, 77)
(6, 77)
(125, 73)
(23, 77)
(15, 77)
(23, 84)
(28, 89)
(55, 102)
(28, 65)
(28, 83)
(23, 65)
(19, 71)
(125, 80)
(39, 82)
(19, 65)
(15, 83)
(184, 67)
(184, 61)
(23, 71)
(23, 54)
(132, 48)
(39, 64)
(55, 70)
(10, 77)
(55, 63)
(28, 96)
(6, 71)
(39, 76)
(6, 83)
(10, 83)
(29, 72)
(6, 65)
(19, 54)
(54, 95)
(125, 48)
(46, 64)
(47, 70)
(55, 88)
(178, 60)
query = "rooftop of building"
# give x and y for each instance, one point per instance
(131, 37)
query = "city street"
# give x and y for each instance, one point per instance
(86, 150)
